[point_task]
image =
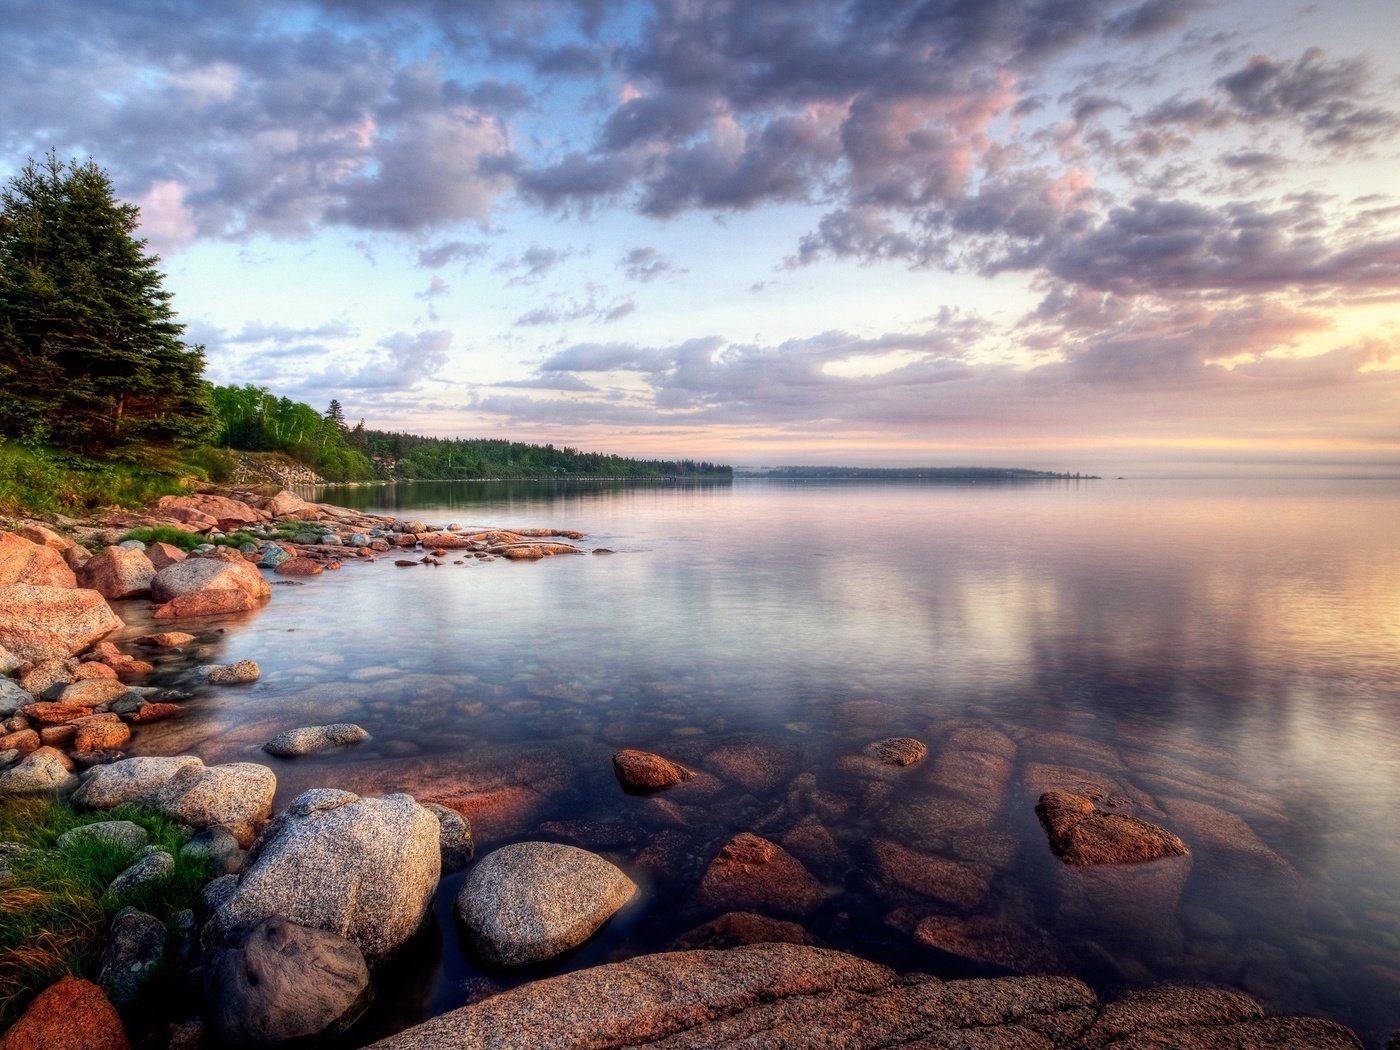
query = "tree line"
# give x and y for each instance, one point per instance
(94, 368)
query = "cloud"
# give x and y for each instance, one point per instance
(570, 310)
(438, 256)
(533, 264)
(1329, 99)
(646, 264)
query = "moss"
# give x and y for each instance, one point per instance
(166, 534)
(53, 910)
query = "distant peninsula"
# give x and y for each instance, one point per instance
(911, 474)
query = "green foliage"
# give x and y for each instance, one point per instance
(251, 419)
(54, 911)
(91, 359)
(46, 479)
(181, 538)
(411, 456)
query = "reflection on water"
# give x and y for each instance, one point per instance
(1222, 659)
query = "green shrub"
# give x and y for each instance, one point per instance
(44, 479)
(181, 538)
(54, 913)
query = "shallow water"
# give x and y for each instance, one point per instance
(1223, 657)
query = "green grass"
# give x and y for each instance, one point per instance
(166, 534)
(53, 912)
(42, 479)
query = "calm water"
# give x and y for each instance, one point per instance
(1224, 656)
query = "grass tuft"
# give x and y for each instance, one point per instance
(54, 912)
(181, 538)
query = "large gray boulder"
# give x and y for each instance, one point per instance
(530, 901)
(279, 981)
(130, 780)
(363, 868)
(237, 795)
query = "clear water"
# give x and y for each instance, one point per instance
(1232, 645)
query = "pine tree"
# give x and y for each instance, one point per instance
(91, 357)
(335, 414)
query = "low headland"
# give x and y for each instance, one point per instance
(157, 901)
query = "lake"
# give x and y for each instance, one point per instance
(1221, 658)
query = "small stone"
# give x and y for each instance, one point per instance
(122, 832)
(308, 740)
(149, 869)
(230, 674)
(167, 639)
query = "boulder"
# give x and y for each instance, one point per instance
(280, 982)
(641, 771)
(237, 795)
(45, 537)
(135, 949)
(365, 869)
(92, 692)
(289, 505)
(51, 712)
(43, 622)
(274, 556)
(752, 874)
(8, 661)
(130, 780)
(531, 901)
(118, 572)
(778, 995)
(162, 554)
(42, 771)
(223, 581)
(24, 740)
(292, 742)
(13, 696)
(39, 676)
(219, 846)
(24, 561)
(454, 837)
(122, 832)
(898, 874)
(151, 868)
(206, 603)
(99, 733)
(230, 513)
(70, 1015)
(737, 928)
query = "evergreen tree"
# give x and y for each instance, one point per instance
(335, 414)
(91, 357)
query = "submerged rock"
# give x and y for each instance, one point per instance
(1080, 833)
(898, 751)
(752, 874)
(530, 901)
(235, 673)
(641, 771)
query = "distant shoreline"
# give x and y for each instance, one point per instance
(912, 474)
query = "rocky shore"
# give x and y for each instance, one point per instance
(311, 902)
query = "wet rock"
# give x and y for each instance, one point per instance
(237, 795)
(130, 780)
(737, 928)
(121, 832)
(898, 751)
(167, 639)
(531, 901)
(230, 674)
(1069, 749)
(26, 562)
(300, 567)
(811, 843)
(362, 868)
(1079, 833)
(990, 941)
(454, 837)
(41, 772)
(135, 949)
(311, 739)
(898, 874)
(118, 572)
(931, 822)
(752, 874)
(207, 586)
(981, 738)
(641, 771)
(758, 767)
(1233, 852)
(977, 776)
(154, 712)
(70, 1015)
(40, 622)
(281, 982)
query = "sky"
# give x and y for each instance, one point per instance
(1085, 235)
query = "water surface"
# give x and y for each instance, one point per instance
(1223, 657)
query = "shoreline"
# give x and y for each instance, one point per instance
(444, 539)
